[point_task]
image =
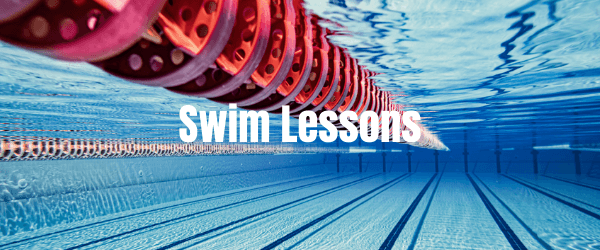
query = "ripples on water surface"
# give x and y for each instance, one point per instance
(513, 68)
(481, 65)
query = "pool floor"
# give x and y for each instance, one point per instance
(354, 211)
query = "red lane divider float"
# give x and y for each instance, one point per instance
(259, 54)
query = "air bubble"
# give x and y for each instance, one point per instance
(22, 183)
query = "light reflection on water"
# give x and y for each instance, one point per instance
(513, 66)
(509, 67)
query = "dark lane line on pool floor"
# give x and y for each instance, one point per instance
(578, 208)
(345, 213)
(243, 202)
(129, 216)
(389, 242)
(192, 245)
(215, 229)
(509, 234)
(557, 193)
(527, 228)
(413, 242)
(574, 183)
(322, 217)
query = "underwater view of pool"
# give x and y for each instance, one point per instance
(92, 159)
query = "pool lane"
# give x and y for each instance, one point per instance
(565, 202)
(282, 227)
(392, 237)
(181, 233)
(458, 219)
(425, 211)
(589, 198)
(361, 225)
(559, 225)
(508, 232)
(528, 237)
(370, 223)
(579, 180)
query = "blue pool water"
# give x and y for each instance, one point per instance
(511, 87)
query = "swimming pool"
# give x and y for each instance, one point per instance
(510, 87)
